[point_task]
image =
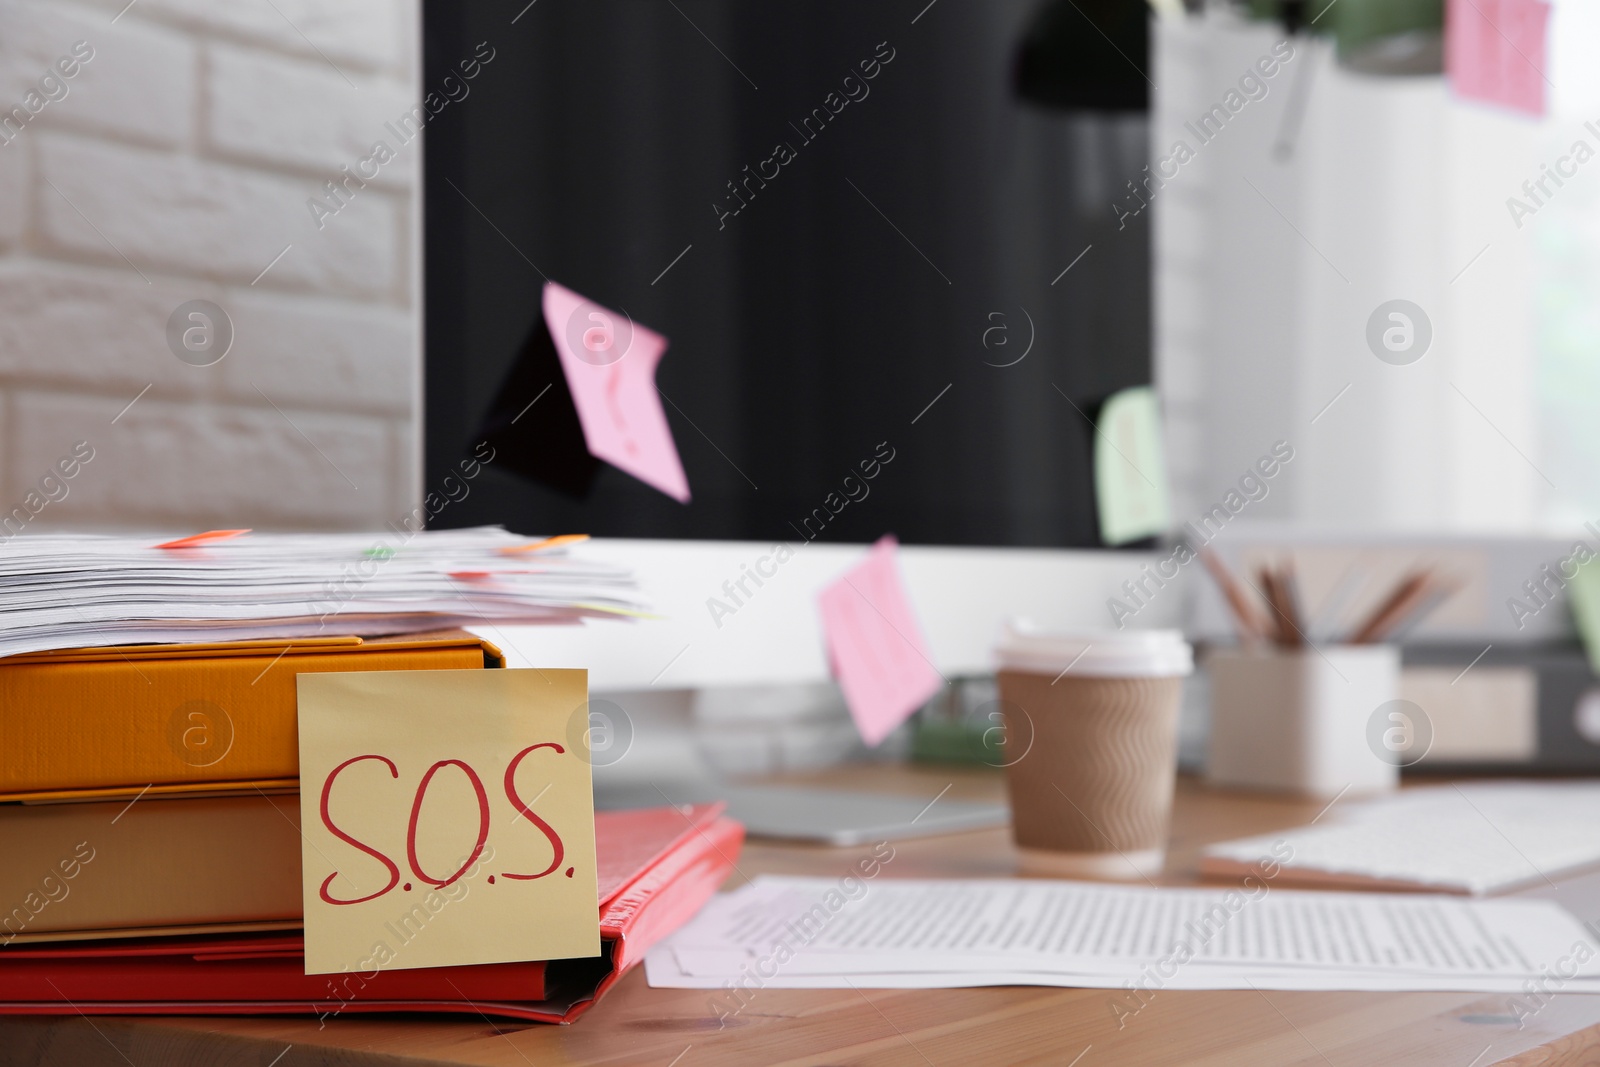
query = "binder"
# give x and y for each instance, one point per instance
(83, 722)
(657, 868)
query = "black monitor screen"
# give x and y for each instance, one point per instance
(869, 251)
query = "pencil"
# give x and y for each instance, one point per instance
(1290, 588)
(1429, 594)
(1280, 600)
(1391, 609)
(1246, 619)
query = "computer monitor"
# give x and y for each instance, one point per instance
(896, 293)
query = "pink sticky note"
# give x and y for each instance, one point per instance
(875, 645)
(1495, 52)
(610, 364)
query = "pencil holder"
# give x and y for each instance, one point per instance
(1300, 720)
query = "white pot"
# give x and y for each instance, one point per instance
(1300, 720)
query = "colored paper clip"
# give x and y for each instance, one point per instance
(202, 538)
(548, 542)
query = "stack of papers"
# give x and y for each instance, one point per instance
(833, 933)
(71, 591)
(1480, 838)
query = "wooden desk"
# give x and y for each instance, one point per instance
(635, 1024)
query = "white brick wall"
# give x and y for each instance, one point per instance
(365, 34)
(175, 168)
(170, 212)
(139, 86)
(308, 468)
(300, 130)
(98, 331)
(320, 354)
(13, 202)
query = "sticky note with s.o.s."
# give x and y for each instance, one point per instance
(447, 818)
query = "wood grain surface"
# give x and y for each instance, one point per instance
(637, 1025)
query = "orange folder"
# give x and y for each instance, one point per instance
(98, 721)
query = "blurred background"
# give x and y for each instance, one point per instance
(180, 163)
(992, 219)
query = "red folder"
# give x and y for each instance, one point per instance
(657, 867)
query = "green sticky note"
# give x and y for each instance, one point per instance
(1130, 470)
(1583, 593)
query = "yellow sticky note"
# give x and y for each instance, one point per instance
(446, 819)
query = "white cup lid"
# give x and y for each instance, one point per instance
(1107, 654)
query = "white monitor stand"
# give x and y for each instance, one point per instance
(768, 634)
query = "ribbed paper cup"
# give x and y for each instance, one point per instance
(1091, 747)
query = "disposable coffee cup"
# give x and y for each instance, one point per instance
(1091, 726)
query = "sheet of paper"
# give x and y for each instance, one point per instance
(76, 590)
(806, 929)
(445, 819)
(1495, 52)
(1130, 470)
(663, 972)
(875, 645)
(610, 365)
(1478, 838)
